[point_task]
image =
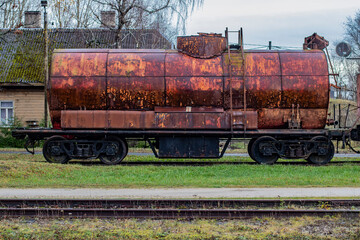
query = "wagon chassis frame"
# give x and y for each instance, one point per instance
(270, 144)
(42, 133)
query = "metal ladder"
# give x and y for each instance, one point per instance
(230, 77)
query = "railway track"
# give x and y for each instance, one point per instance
(173, 209)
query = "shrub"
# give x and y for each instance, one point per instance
(6, 139)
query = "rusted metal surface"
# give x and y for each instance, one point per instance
(135, 80)
(180, 65)
(194, 91)
(315, 42)
(170, 119)
(143, 119)
(136, 65)
(248, 119)
(79, 64)
(129, 80)
(75, 93)
(135, 92)
(278, 118)
(305, 79)
(299, 78)
(191, 118)
(38, 134)
(311, 91)
(261, 92)
(192, 81)
(78, 81)
(263, 80)
(179, 120)
(107, 119)
(202, 46)
(189, 109)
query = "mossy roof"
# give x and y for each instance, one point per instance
(22, 50)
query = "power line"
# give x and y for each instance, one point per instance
(259, 46)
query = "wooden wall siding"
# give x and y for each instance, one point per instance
(28, 103)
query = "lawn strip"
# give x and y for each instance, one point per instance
(32, 171)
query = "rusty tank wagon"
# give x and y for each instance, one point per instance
(184, 101)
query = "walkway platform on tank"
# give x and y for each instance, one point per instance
(89, 193)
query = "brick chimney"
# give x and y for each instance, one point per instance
(107, 19)
(32, 19)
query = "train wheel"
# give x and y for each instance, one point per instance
(115, 152)
(264, 150)
(53, 150)
(325, 151)
(249, 146)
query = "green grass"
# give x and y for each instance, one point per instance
(27, 171)
(255, 228)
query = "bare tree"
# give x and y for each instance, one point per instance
(12, 12)
(83, 15)
(11, 15)
(352, 32)
(135, 13)
(71, 13)
(346, 81)
(61, 12)
(348, 69)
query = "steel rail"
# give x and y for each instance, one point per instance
(179, 204)
(168, 213)
(172, 208)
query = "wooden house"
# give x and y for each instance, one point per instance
(22, 62)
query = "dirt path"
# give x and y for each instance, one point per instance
(181, 193)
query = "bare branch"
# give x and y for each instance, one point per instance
(155, 14)
(4, 2)
(166, 5)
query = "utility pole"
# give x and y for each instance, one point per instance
(46, 62)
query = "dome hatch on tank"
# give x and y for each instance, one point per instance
(205, 45)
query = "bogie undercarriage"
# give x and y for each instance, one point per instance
(265, 149)
(111, 150)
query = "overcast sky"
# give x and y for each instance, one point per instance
(284, 22)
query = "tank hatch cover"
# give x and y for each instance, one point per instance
(204, 45)
(315, 41)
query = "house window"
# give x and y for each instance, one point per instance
(7, 112)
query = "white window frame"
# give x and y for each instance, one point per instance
(7, 118)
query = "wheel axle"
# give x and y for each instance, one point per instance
(266, 150)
